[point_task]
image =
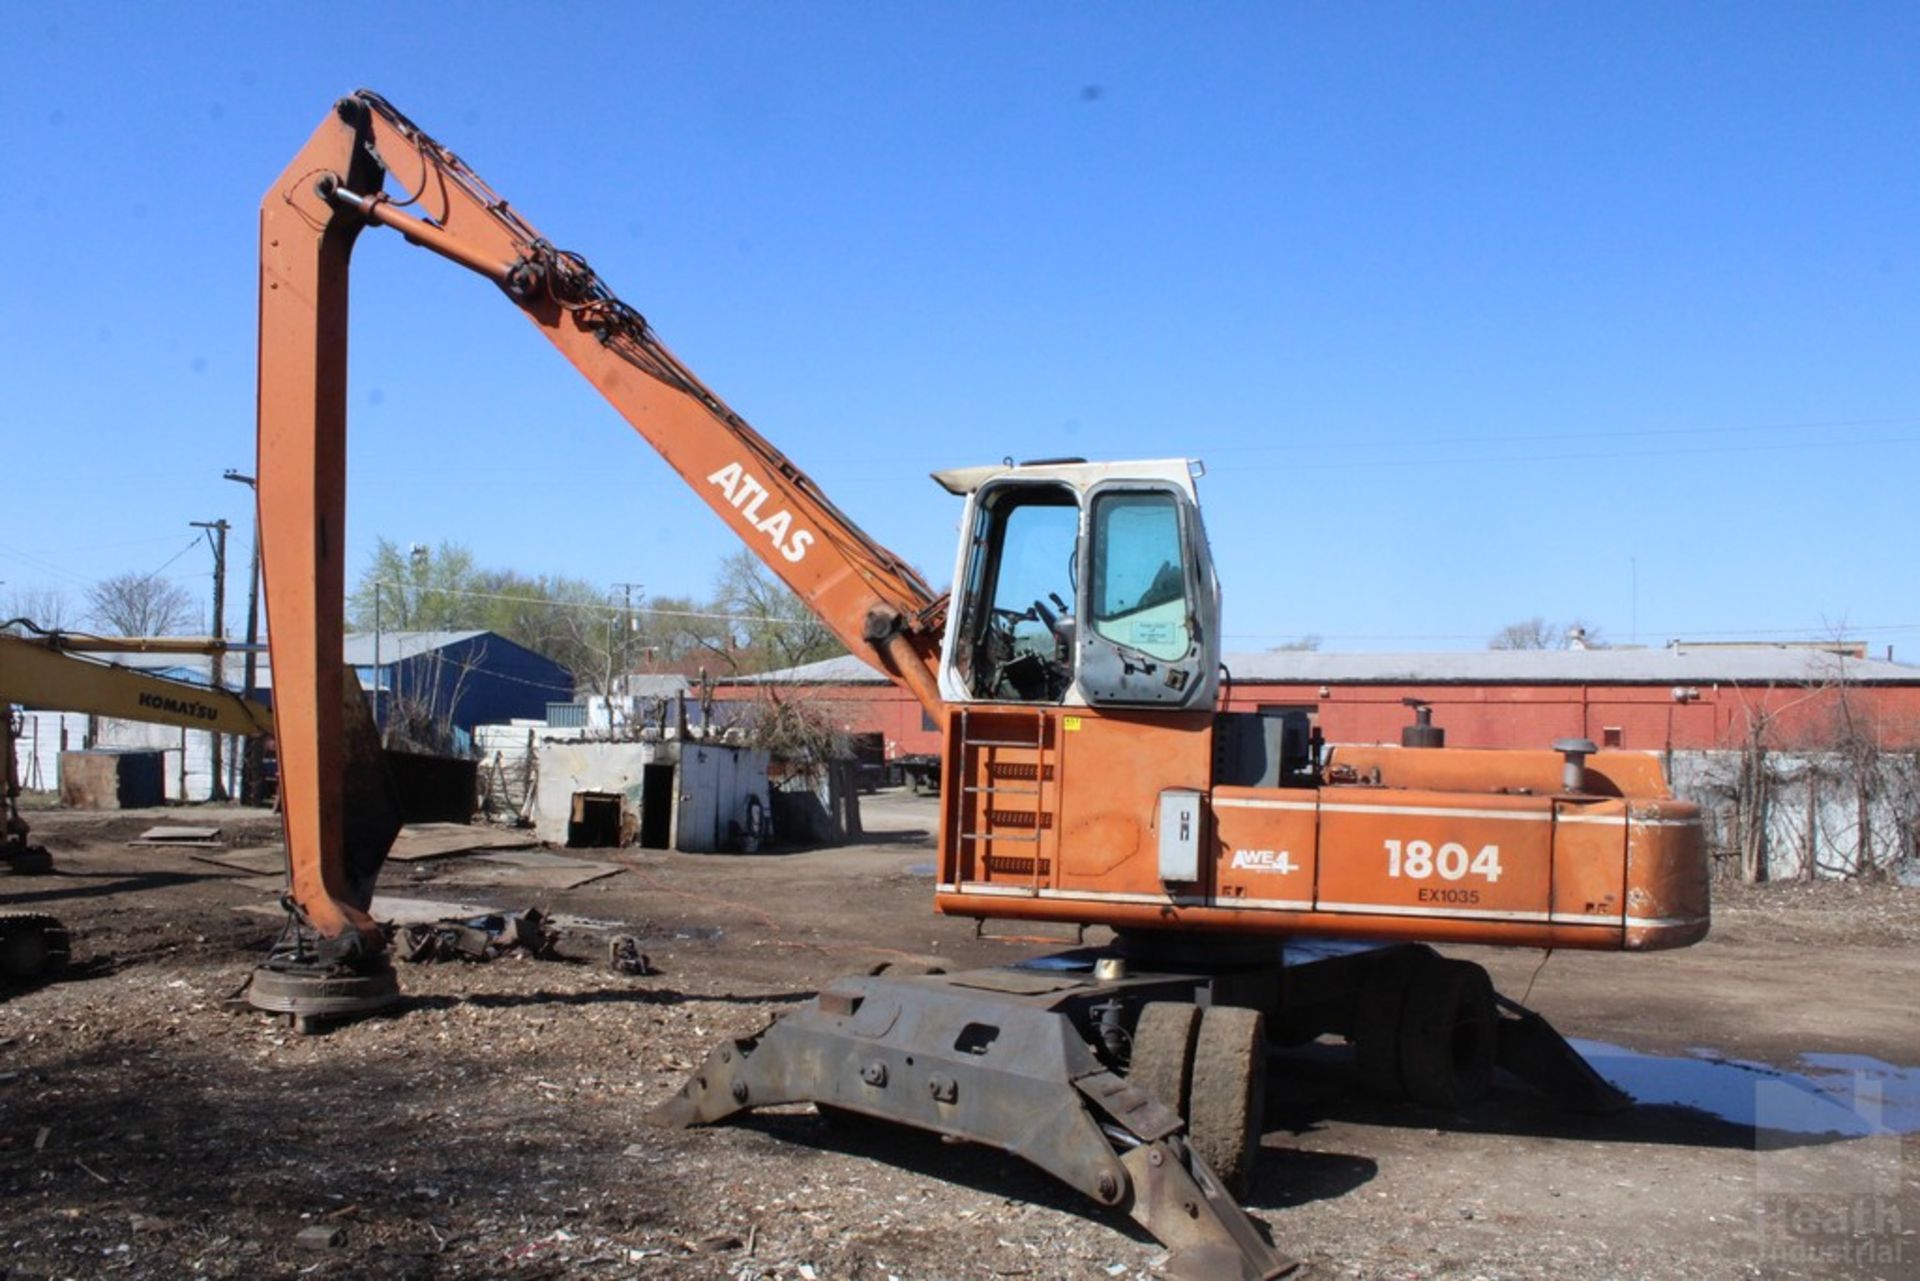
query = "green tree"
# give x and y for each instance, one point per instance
(752, 623)
(417, 589)
(442, 588)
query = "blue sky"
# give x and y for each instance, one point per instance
(1474, 312)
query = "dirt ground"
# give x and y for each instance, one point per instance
(492, 1127)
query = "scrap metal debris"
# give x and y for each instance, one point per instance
(625, 957)
(478, 938)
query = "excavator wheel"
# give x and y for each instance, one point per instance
(1448, 1035)
(1229, 1093)
(1377, 1014)
(1162, 1062)
(33, 948)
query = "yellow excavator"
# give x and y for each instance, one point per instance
(54, 671)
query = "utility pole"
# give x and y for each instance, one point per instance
(219, 540)
(379, 672)
(626, 623)
(252, 754)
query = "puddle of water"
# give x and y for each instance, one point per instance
(1850, 1095)
(920, 869)
(1882, 1091)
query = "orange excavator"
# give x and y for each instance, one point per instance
(1263, 887)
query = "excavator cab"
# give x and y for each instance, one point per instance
(1082, 584)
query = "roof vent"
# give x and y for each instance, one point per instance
(1573, 776)
(1423, 732)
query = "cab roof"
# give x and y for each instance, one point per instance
(1074, 472)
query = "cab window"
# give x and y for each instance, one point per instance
(1138, 593)
(1015, 643)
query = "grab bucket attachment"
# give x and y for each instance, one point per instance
(960, 1056)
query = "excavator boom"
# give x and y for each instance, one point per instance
(873, 601)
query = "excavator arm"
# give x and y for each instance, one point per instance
(39, 673)
(309, 219)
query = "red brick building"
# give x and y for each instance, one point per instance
(1681, 698)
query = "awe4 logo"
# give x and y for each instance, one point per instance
(1264, 861)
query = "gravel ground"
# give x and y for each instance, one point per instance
(494, 1125)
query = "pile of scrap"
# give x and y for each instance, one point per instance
(478, 938)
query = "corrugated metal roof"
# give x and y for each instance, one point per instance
(356, 651)
(357, 648)
(844, 670)
(1714, 664)
(1707, 665)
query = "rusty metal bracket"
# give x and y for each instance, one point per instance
(1533, 1050)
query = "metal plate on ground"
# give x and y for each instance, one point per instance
(189, 836)
(400, 911)
(255, 860)
(496, 870)
(419, 841)
(424, 911)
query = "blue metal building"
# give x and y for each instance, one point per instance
(465, 678)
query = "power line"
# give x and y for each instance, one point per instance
(1323, 440)
(1809, 633)
(191, 544)
(1555, 437)
(1611, 455)
(586, 606)
(44, 566)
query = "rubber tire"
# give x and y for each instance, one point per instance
(1377, 1014)
(1447, 1035)
(1228, 1101)
(33, 948)
(1162, 1062)
(24, 955)
(27, 860)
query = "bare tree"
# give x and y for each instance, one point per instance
(1821, 782)
(47, 608)
(793, 726)
(1538, 633)
(770, 626)
(1307, 644)
(416, 719)
(140, 605)
(590, 640)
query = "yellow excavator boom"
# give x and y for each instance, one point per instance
(39, 673)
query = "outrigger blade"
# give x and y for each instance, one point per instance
(961, 1056)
